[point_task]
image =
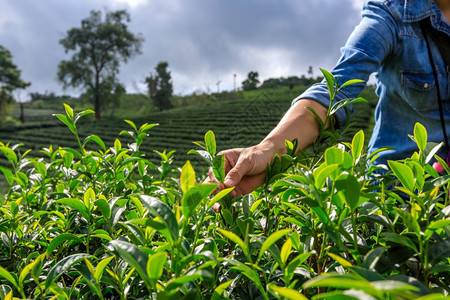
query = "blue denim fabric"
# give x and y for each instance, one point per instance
(389, 41)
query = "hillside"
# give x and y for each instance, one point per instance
(236, 122)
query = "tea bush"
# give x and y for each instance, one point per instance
(110, 224)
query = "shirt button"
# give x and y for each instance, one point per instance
(425, 85)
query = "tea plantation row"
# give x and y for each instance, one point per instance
(236, 123)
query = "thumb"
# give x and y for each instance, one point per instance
(235, 175)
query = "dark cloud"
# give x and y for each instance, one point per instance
(203, 41)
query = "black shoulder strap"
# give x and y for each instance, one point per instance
(441, 39)
(426, 30)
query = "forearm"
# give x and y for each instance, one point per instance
(298, 123)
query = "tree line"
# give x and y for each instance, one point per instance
(96, 49)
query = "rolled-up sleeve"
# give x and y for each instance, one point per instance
(371, 42)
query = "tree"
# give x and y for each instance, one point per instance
(9, 81)
(160, 86)
(252, 81)
(99, 46)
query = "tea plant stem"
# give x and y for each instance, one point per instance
(355, 237)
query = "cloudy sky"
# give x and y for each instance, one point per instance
(204, 41)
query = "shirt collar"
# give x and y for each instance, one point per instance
(416, 10)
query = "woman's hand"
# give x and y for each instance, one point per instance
(245, 168)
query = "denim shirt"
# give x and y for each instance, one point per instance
(389, 41)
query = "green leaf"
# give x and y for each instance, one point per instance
(8, 174)
(75, 204)
(329, 78)
(410, 221)
(59, 239)
(399, 239)
(95, 139)
(155, 265)
(334, 155)
(82, 114)
(434, 226)
(286, 251)
(372, 257)
(357, 144)
(193, 197)
(219, 196)
(63, 265)
(350, 82)
(218, 166)
(285, 292)
(218, 291)
(164, 212)
(271, 240)
(134, 257)
(9, 154)
(342, 261)
(187, 177)
(348, 190)
(101, 267)
(342, 103)
(420, 136)
(131, 123)
(11, 277)
(210, 142)
(180, 281)
(403, 173)
(321, 175)
(25, 271)
(89, 198)
(104, 208)
(69, 111)
(345, 281)
(235, 239)
(68, 122)
(68, 159)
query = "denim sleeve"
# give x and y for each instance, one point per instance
(371, 42)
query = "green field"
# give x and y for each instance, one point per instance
(237, 119)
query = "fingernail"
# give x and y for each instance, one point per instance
(228, 182)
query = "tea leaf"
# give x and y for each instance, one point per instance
(161, 210)
(61, 266)
(218, 291)
(155, 265)
(342, 261)
(8, 174)
(403, 173)
(410, 221)
(372, 257)
(9, 154)
(104, 208)
(348, 190)
(434, 226)
(59, 239)
(187, 177)
(342, 103)
(95, 139)
(350, 82)
(218, 165)
(193, 197)
(210, 142)
(420, 136)
(285, 292)
(219, 196)
(75, 204)
(134, 257)
(357, 144)
(234, 238)
(101, 267)
(285, 251)
(271, 240)
(11, 277)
